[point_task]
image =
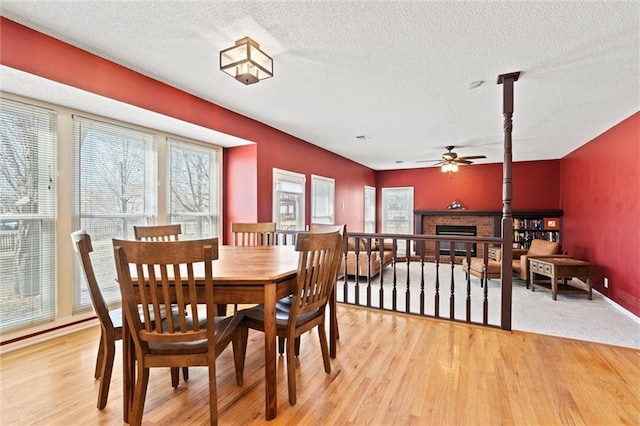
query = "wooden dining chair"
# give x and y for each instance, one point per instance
(315, 279)
(253, 234)
(110, 320)
(163, 233)
(315, 228)
(164, 275)
(158, 232)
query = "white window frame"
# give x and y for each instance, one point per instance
(402, 213)
(293, 183)
(198, 224)
(94, 220)
(329, 216)
(34, 278)
(369, 224)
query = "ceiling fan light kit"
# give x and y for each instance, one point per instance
(449, 167)
(246, 62)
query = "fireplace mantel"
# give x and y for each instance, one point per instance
(457, 212)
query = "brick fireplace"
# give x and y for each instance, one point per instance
(486, 223)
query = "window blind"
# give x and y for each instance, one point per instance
(194, 188)
(115, 188)
(28, 139)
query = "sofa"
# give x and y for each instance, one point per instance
(362, 263)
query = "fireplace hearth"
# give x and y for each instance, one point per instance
(457, 230)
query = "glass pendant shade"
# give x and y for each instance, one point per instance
(246, 62)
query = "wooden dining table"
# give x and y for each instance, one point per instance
(244, 275)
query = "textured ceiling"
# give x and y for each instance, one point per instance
(397, 72)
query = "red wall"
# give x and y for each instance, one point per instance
(600, 188)
(289, 154)
(240, 190)
(535, 186)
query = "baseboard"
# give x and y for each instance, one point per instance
(44, 332)
(618, 307)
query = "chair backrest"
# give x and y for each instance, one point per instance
(82, 245)
(317, 269)
(543, 248)
(254, 234)
(157, 274)
(319, 228)
(157, 232)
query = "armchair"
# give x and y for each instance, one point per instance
(538, 249)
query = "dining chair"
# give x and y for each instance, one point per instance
(316, 228)
(110, 320)
(164, 276)
(157, 232)
(169, 232)
(253, 234)
(319, 256)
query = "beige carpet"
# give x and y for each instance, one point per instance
(571, 315)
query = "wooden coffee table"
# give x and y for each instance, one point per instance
(560, 267)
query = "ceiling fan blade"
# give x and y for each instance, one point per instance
(461, 161)
(472, 157)
(429, 161)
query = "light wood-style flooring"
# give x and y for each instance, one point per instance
(391, 369)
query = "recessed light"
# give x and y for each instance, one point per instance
(475, 84)
(399, 161)
(363, 138)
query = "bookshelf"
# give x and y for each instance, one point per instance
(536, 224)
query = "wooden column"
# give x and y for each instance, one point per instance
(507, 214)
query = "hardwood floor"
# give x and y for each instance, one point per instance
(391, 369)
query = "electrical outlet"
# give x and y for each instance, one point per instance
(606, 282)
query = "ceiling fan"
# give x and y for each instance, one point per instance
(451, 158)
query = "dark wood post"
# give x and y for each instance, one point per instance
(507, 215)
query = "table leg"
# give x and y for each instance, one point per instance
(532, 276)
(271, 397)
(128, 370)
(554, 285)
(590, 288)
(333, 324)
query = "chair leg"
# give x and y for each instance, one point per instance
(296, 346)
(175, 376)
(291, 371)
(281, 341)
(185, 373)
(324, 347)
(222, 309)
(139, 395)
(100, 356)
(239, 343)
(108, 354)
(213, 392)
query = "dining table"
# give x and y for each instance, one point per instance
(244, 275)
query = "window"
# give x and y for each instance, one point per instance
(194, 176)
(369, 209)
(323, 199)
(397, 210)
(288, 200)
(115, 188)
(27, 215)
